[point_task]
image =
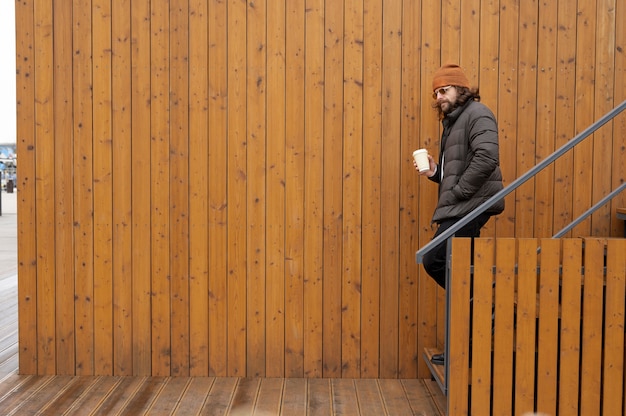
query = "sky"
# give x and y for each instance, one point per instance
(7, 74)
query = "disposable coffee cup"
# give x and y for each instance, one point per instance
(421, 158)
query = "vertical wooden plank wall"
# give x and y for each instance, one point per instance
(226, 188)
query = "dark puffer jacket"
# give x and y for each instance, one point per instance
(471, 164)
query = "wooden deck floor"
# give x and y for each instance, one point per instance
(65, 395)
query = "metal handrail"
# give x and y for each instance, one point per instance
(590, 211)
(419, 255)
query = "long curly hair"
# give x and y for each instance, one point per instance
(464, 95)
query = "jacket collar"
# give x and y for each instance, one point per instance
(450, 118)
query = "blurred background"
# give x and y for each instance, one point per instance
(8, 158)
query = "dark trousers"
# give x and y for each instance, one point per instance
(435, 260)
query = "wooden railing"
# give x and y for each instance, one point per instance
(535, 325)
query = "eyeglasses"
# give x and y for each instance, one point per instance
(441, 91)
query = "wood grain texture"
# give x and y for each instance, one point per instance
(108, 395)
(557, 334)
(225, 188)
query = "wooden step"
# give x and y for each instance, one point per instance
(437, 371)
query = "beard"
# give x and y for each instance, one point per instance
(445, 106)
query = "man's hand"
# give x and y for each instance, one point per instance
(431, 171)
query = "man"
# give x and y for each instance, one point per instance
(468, 170)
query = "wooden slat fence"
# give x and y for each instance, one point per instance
(225, 188)
(537, 327)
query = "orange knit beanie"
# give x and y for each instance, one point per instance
(450, 74)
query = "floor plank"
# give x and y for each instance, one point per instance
(439, 400)
(116, 400)
(221, 393)
(394, 396)
(370, 399)
(170, 395)
(421, 398)
(21, 393)
(344, 397)
(319, 400)
(245, 395)
(195, 396)
(62, 402)
(141, 401)
(94, 397)
(270, 397)
(10, 382)
(37, 400)
(295, 396)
